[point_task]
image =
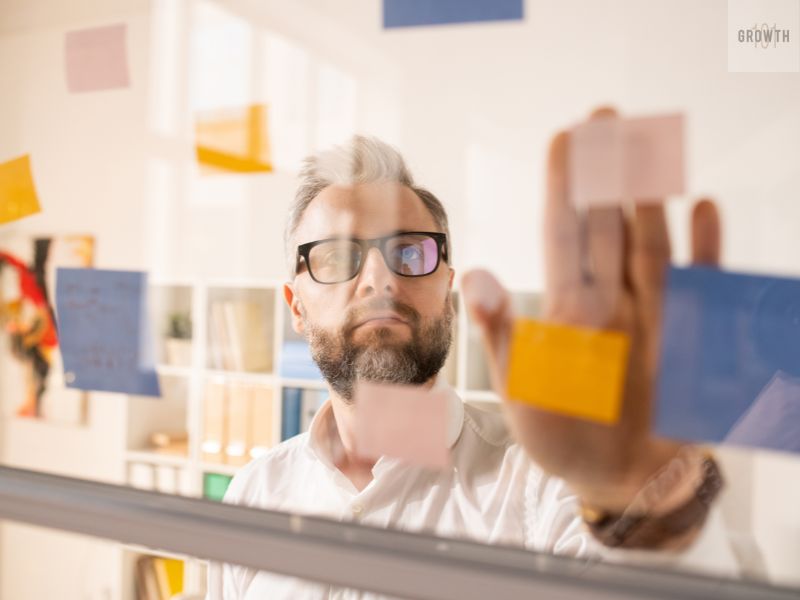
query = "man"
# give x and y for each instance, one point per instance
(371, 280)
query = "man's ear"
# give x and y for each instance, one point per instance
(293, 300)
(452, 278)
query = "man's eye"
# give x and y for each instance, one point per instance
(408, 253)
(336, 257)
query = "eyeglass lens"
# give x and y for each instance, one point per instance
(411, 255)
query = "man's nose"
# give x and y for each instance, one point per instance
(375, 277)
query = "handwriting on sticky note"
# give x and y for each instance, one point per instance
(569, 370)
(96, 59)
(730, 358)
(404, 422)
(235, 140)
(18, 196)
(104, 334)
(613, 160)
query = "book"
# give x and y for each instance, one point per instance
(250, 335)
(238, 439)
(147, 587)
(214, 422)
(169, 575)
(296, 361)
(261, 421)
(312, 401)
(215, 485)
(240, 336)
(219, 346)
(298, 409)
(291, 406)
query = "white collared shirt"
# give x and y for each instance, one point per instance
(492, 493)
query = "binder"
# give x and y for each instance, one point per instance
(238, 425)
(214, 423)
(261, 421)
(290, 412)
(215, 485)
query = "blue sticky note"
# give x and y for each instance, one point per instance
(413, 13)
(103, 330)
(730, 359)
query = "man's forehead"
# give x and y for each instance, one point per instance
(364, 210)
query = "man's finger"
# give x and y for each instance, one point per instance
(706, 234)
(562, 245)
(605, 231)
(649, 251)
(489, 305)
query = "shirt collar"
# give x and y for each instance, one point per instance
(323, 425)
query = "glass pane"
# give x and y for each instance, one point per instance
(612, 337)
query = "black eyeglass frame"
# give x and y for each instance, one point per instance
(303, 251)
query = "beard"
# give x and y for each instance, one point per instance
(378, 357)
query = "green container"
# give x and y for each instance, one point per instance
(215, 485)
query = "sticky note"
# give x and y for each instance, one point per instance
(234, 140)
(96, 59)
(773, 420)
(574, 371)
(412, 13)
(404, 422)
(638, 159)
(18, 196)
(104, 333)
(726, 336)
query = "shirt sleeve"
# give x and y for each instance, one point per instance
(554, 525)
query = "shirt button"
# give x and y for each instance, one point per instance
(357, 509)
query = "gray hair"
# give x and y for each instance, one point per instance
(360, 160)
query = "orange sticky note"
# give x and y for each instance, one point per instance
(18, 197)
(402, 421)
(569, 370)
(234, 140)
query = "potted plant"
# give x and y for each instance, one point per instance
(178, 344)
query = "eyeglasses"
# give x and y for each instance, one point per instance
(406, 253)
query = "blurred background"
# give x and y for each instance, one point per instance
(123, 184)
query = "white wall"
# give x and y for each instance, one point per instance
(472, 108)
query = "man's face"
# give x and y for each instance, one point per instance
(378, 326)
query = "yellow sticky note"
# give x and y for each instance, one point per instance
(569, 370)
(17, 191)
(234, 140)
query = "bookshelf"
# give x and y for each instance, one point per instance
(233, 339)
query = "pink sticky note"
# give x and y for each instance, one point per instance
(96, 59)
(613, 160)
(404, 422)
(654, 157)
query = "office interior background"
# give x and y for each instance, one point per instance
(471, 106)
